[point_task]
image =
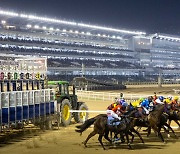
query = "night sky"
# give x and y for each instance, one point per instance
(145, 15)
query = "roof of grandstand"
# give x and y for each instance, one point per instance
(46, 22)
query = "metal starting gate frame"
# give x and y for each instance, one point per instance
(20, 106)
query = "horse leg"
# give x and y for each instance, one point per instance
(100, 141)
(159, 133)
(89, 136)
(122, 137)
(106, 136)
(166, 131)
(149, 131)
(133, 130)
(169, 127)
(127, 138)
(132, 139)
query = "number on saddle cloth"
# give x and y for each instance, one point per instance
(112, 121)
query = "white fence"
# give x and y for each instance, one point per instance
(107, 96)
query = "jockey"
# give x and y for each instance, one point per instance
(155, 97)
(146, 104)
(174, 103)
(112, 109)
(136, 103)
(167, 103)
(159, 100)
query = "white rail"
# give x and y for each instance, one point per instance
(108, 96)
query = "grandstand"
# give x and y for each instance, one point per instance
(78, 49)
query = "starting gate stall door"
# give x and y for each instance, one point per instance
(47, 101)
(42, 103)
(12, 106)
(5, 107)
(25, 105)
(31, 104)
(1, 86)
(7, 86)
(14, 85)
(37, 103)
(52, 105)
(19, 109)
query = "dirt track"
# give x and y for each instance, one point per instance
(67, 141)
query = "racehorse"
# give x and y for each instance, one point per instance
(174, 116)
(101, 128)
(157, 120)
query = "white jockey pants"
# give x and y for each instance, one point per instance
(113, 114)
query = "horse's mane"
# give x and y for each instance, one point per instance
(158, 110)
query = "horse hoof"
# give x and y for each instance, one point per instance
(169, 135)
(165, 142)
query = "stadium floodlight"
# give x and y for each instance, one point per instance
(71, 31)
(36, 26)
(104, 35)
(111, 29)
(98, 34)
(23, 15)
(169, 37)
(88, 33)
(51, 28)
(82, 32)
(28, 26)
(9, 13)
(113, 36)
(76, 32)
(44, 27)
(64, 30)
(3, 22)
(57, 29)
(45, 19)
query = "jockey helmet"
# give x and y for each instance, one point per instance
(124, 104)
(176, 98)
(141, 99)
(150, 98)
(121, 101)
(161, 98)
(170, 97)
(115, 100)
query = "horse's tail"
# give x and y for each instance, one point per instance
(88, 123)
(85, 125)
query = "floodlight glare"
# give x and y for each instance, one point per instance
(51, 28)
(70, 23)
(36, 26)
(23, 15)
(44, 27)
(28, 26)
(3, 22)
(169, 37)
(8, 13)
